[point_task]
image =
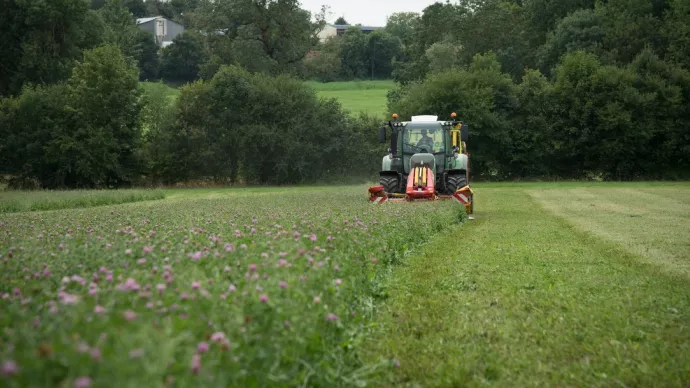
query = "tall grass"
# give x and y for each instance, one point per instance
(19, 201)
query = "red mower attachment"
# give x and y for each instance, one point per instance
(464, 196)
(420, 184)
(377, 194)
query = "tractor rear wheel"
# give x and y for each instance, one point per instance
(455, 182)
(389, 183)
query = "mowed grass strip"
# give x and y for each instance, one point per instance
(653, 223)
(521, 298)
(19, 201)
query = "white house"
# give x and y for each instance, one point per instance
(164, 30)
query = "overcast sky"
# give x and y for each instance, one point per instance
(366, 12)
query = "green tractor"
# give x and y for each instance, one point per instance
(427, 160)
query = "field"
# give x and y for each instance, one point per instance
(160, 87)
(17, 201)
(552, 284)
(355, 96)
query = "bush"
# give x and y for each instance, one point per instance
(259, 129)
(83, 133)
(183, 58)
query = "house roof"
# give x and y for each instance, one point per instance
(364, 28)
(146, 20)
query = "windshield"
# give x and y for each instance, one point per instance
(420, 140)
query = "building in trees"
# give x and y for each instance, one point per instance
(163, 29)
(339, 30)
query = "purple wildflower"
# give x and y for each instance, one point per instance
(96, 354)
(9, 368)
(217, 336)
(196, 363)
(332, 317)
(129, 315)
(82, 382)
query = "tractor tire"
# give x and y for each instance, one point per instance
(389, 183)
(455, 182)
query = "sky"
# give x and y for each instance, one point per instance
(365, 12)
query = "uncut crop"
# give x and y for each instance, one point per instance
(17, 201)
(244, 290)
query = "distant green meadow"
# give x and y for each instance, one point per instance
(357, 96)
(369, 97)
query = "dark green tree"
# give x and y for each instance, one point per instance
(181, 60)
(271, 36)
(326, 65)
(403, 26)
(82, 133)
(676, 31)
(99, 150)
(41, 40)
(354, 54)
(148, 58)
(32, 122)
(582, 30)
(382, 49)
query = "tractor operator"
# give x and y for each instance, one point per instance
(426, 139)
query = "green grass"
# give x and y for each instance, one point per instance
(160, 87)
(260, 287)
(567, 284)
(357, 96)
(20, 201)
(560, 295)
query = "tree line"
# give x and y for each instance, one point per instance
(554, 90)
(570, 89)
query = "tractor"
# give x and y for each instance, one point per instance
(427, 160)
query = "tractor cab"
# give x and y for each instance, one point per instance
(423, 138)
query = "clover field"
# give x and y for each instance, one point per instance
(266, 288)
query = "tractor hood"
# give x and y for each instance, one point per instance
(423, 160)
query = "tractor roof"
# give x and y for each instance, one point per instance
(424, 118)
(423, 124)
